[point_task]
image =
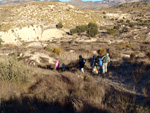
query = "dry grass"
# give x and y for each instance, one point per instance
(10, 45)
(59, 88)
(54, 50)
(10, 90)
(14, 71)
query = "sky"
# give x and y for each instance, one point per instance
(83, 0)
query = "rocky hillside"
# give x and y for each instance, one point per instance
(46, 13)
(38, 20)
(78, 3)
(31, 20)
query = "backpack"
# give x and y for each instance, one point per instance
(100, 62)
(96, 62)
(106, 59)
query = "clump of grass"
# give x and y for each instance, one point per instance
(120, 46)
(13, 71)
(5, 27)
(129, 46)
(111, 31)
(54, 50)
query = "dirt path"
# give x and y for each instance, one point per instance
(119, 86)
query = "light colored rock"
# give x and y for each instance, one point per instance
(84, 39)
(51, 33)
(28, 34)
(125, 55)
(36, 45)
(71, 51)
(37, 57)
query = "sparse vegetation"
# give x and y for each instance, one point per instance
(59, 25)
(81, 28)
(1, 42)
(91, 29)
(54, 50)
(14, 71)
(72, 31)
(111, 31)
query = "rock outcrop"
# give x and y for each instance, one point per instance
(27, 34)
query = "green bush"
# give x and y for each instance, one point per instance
(14, 71)
(104, 12)
(59, 25)
(81, 28)
(111, 31)
(92, 29)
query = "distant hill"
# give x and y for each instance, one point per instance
(101, 4)
(78, 3)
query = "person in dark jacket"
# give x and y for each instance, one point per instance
(81, 63)
(63, 67)
(92, 62)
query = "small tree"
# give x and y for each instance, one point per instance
(59, 25)
(92, 29)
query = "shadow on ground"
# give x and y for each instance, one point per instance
(28, 105)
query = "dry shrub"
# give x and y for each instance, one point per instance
(102, 51)
(54, 50)
(67, 89)
(14, 71)
(9, 90)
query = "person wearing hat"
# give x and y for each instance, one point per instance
(106, 60)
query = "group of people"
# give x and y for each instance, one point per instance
(57, 66)
(98, 64)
